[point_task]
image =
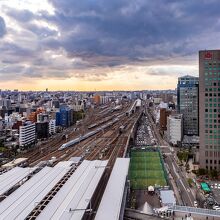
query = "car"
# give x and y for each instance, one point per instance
(218, 186)
(215, 207)
(195, 204)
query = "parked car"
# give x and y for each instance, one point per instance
(195, 204)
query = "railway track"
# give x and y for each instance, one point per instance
(117, 151)
(95, 144)
(45, 152)
(92, 147)
(77, 150)
(110, 138)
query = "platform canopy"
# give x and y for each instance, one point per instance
(72, 200)
(12, 177)
(23, 200)
(110, 207)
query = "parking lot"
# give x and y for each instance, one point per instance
(213, 198)
(215, 188)
(144, 135)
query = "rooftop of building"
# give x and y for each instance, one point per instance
(176, 116)
(188, 76)
(167, 197)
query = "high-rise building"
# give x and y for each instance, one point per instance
(164, 113)
(42, 129)
(96, 99)
(187, 102)
(52, 127)
(209, 109)
(175, 129)
(27, 134)
(64, 117)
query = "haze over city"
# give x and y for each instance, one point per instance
(103, 45)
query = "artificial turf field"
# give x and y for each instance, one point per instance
(146, 170)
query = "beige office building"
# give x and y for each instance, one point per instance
(209, 109)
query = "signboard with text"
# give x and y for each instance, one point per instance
(208, 55)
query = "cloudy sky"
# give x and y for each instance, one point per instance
(103, 45)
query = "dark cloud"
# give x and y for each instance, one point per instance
(2, 27)
(41, 32)
(133, 30)
(112, 34)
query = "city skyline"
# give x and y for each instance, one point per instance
(120, 45)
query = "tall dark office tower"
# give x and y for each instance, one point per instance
(209, 109)
(187, 101)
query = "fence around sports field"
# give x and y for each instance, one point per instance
(147, 169)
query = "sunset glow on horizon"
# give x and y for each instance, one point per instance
(89, 45)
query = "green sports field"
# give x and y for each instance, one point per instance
(146, 169)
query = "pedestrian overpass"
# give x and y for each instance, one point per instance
(197, 211)
(168, 211)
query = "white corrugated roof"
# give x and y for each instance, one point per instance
(110, 206)
(167, 197)
(75, 193)
(21, 202)
(75, 160)
(12, 177)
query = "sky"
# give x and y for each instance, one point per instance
(103, 45)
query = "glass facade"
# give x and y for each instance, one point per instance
(210, 109)
(188, 100)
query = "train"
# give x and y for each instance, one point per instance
(121, 129)
(87, 135)
(92, 126)
(136, 105)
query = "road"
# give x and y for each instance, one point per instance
(177, 174)
(186, 195)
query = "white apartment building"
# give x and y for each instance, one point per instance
(27, 134)
(78, 107)
(104, 99)
(175, 128)
(52, 127)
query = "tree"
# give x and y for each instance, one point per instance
(190, 182)
(213, 174)
(202, 171)
(187, 167)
